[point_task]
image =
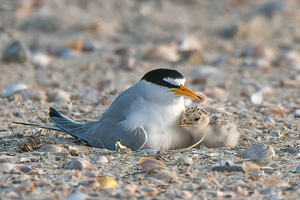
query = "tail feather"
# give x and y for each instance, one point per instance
(55, 128)
(64, 123)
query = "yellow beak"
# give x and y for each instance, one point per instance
(186, 92)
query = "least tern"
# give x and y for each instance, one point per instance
(144, 116)
(219, 127)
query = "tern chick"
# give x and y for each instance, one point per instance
(219, 127)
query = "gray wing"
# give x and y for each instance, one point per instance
(108, 130)
(107, 139)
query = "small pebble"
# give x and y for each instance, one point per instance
(16, 51)
(186, 160)
(78, 196)
(80, 164)
(256, 98)
(50, 148)
(298, 169)
(274, 134)
(191, 187)
(259, 151)
(297, 113)
(101, 159)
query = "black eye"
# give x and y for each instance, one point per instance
(197, 119)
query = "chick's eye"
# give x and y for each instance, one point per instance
(197, 119)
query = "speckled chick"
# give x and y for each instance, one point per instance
(219, 128)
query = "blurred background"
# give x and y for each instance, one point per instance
(87, 52)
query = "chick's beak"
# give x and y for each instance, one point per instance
(184, 123)
(186, 92)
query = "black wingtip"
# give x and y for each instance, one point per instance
(54, 113)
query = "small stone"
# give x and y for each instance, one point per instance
(58, 96)
(298, 169)
(251, 169)
(90, 46)
(297, 113)
(78, 196)
(228, 169)
(62, 52)
(186, 194)
(16, 89)
(101, 159)
(150, 191)
(269, 120)
(80, 164)
(186, 160)
(265, 191)
(191, 187)
(107, 182)
(50, 148)
(274, 134)
(40, 59)
(256, 98)
(259, 151)
(16, 52)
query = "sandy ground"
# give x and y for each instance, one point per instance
(243, 55)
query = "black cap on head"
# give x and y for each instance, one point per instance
(159, 76)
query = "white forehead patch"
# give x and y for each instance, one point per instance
(176, 82)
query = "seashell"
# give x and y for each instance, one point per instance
(288, 60)
(90, 46)
(14, 88)
(79, 164)
(7, 159)
(190, 43)
(151, 166)
(147, 151)
(251, 168)
(257, 98)
(276, 183)
(166, 53)
(277, 111)
(50, 148)
(269, 121)
(24, 187)
(215, 93)
(225, 194)
(290, 83)
(107, 182)
(78, 196)
(186, 160)
(274, 134)
(40, 59)
(150, 191)
(101, 159)
(38, 95)
(62, 52)
(297, 113)
(259, 151)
